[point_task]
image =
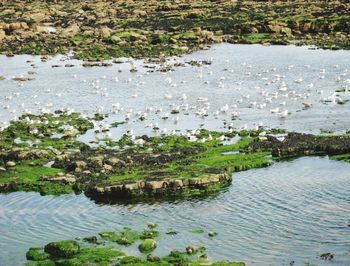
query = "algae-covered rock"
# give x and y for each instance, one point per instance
(148, 245)
(62, 249)
(125, 237)
(37, 254)
(129, 260)
(212, 234)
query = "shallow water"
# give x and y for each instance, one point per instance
(238, 76)
(291, 211)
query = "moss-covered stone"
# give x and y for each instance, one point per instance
(125, 237)
(95, 255)
(62, 249)
(148, 245)
(37, 254)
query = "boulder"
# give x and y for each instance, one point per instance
(64, 179)
(105, 32)
(70, 133)
(80, 166)
(153, 185)
(2, 35)
(116, 39)
(37, 17)
(147, 246)
(70, 31)
(62, 249)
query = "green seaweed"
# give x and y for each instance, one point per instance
(125, 237)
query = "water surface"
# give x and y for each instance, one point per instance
(291, 211)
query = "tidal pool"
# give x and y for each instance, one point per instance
(291, 211)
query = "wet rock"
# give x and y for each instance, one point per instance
(327, 256)
(37, 17)
(91, 239)
(152, 225)
(64, 179)
(190, 250)
(296, 144)
(116, 162)
(70, 31)
(70, 133)
(10, 164)
(63, 249)
(2, 35)
(148, 245)
(37, 254)
(23, 78)
(212, 234)
(105, 32)
(80, 166)
(152, 258)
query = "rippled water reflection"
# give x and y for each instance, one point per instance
(291, 211)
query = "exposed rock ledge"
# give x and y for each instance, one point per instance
(158, 187)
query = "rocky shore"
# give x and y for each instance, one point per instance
(104, 249)
(42, 153)
(104, 29)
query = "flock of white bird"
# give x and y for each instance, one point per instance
(274, 95)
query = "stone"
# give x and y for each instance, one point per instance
(70, 31)
(80, 166)
(37, 17)
(42, 29)
(116, 39)
(153, 185)
(70, 133)
(64, 179)
(14, 26)
(147, 246)
(327, 256)
(2, 35)
(91, 239)
(10, 164)
(62, 249)
(107, 168)
(152, 225)
(105, 32)
(22, 78)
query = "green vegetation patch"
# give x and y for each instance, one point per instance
(69, 253)
(125, 237)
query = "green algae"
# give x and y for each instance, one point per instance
(342, 157)
(125, 237)
(92, 256)
(24, 177)
(37, 254)
(168, 166)
(148, 245)
(149, 234)
(197, 231)
(62, 249)
(96, 255)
